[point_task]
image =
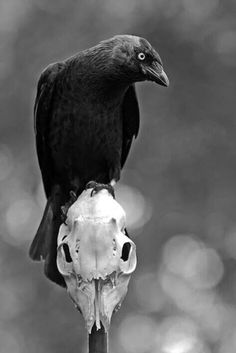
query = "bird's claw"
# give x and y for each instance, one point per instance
(96, 187)
(90, 185)
(73, 197)
(65, 208)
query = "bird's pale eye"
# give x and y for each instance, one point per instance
(141, 56)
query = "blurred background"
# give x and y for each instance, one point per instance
(178, 187)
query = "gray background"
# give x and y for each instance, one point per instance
(178, 186)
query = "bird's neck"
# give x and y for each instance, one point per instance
(97, 80)
(97, 67)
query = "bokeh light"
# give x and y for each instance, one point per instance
(179, 335)
(136, 334)
(149, 293)
(128, 196)
(198, 264)
(21, 220)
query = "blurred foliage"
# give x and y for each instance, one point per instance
(178, 186)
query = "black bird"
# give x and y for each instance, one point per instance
(86, 116)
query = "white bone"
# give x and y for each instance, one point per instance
(95, 257)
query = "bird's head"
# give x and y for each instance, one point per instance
(137, 59)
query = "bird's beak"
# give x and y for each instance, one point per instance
(156, 73)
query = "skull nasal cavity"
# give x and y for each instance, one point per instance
(67, 253)
(125, 251)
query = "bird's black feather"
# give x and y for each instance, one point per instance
(43, 109)
(130, 117)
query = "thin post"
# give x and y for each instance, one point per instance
(98, 340)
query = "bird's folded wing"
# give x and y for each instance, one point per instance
(130, 118)
(42, 115)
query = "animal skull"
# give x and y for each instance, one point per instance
(95, 256)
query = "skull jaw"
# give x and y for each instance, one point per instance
(98, 299)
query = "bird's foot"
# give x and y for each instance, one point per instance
(96, 187)
(65, 208)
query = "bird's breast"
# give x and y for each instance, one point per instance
(85, 137)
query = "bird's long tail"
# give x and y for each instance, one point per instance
(44, 245)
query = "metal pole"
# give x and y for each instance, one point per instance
(98, 340)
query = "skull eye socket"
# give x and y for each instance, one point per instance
(67, 253)
(125, 251)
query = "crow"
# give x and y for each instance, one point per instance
(86, 116)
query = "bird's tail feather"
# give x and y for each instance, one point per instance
(39, 246)
(44, 245)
